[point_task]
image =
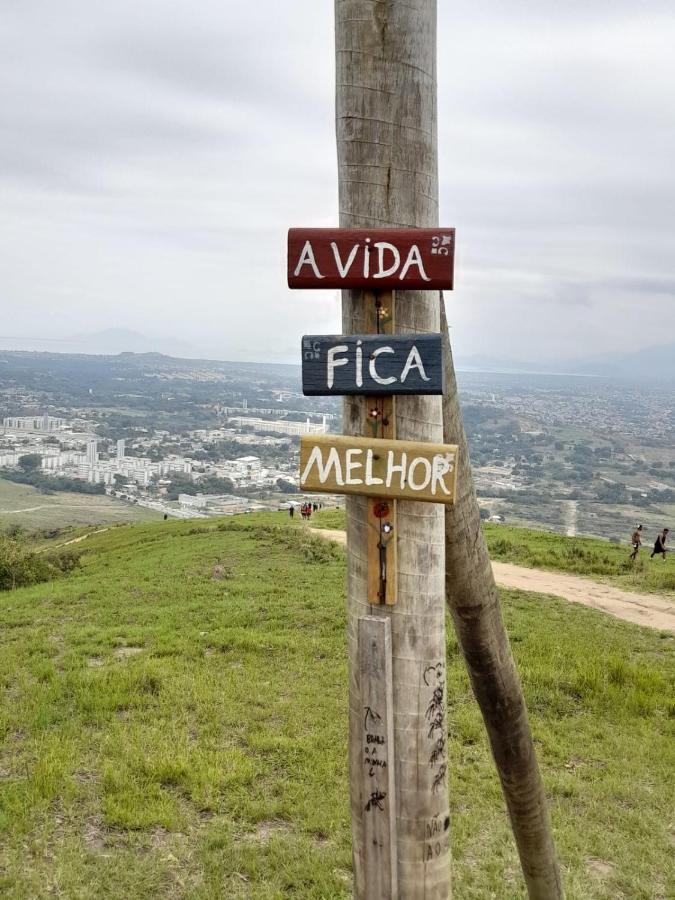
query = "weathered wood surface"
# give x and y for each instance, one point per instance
(408, 470)
(373, 258)
(387, 159)
(380, 422)
(473, 599)
(377, 776)
(382, 555)
(371, 364)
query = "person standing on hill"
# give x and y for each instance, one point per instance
(291, 510)
(660, 544)
(636, 541)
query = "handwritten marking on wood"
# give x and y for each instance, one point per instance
(372, 364)
(434, 679)
(377, 772)
(378, 259)
(409, 470)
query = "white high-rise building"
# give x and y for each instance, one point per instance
(121, 448)
(92, 453)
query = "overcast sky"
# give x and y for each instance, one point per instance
(150, 151)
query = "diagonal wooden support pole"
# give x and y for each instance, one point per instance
(473, 600)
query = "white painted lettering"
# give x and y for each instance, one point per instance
(441, 465)
(381, 247)
(414, 361)
(370, 478)
(307, 259)
(391, 468)
(351, 464)
(323, 470)
(344, 269)
(332, 363)
(373, 370)
(415, 464)
(366, 259)
(359, 364)
(414, 259)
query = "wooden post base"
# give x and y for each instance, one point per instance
(378, 792)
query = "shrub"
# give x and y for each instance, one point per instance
(21, 566)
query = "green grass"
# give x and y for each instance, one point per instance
(173, 724)
(23, 505)
(329, 518)
(591, 557)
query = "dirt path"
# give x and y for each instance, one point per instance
(570, 516)
(83, 537)
(651, 610)
(76, 540)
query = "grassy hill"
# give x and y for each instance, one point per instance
(23, 505)
(173, 724)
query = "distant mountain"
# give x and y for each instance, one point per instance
(652, 362)
(112, 341)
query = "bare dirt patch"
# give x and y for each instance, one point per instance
(266, 830)
(650, 610)
(601, 868)
(321, 838)
(126, 652)
(94, 836)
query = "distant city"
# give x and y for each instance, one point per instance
(196, 438)
(67, 449)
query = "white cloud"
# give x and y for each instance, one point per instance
(152, 156)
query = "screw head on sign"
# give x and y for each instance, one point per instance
(374, 413)
(387, 528)
(381, 509)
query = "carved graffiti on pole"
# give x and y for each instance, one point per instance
(436, 837)
(374, 755)
(437, 828)
(375, 801)
(434, 677)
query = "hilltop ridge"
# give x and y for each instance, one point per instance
(178, 724)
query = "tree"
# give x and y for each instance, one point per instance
(387, 164)
(474, 604)
(30, 462)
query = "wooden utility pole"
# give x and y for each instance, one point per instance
(474, 603)
(387, 159)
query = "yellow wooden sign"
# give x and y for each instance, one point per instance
(409, 470)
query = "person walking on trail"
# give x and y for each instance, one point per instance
(291, 510)
(660, 544)
(636, 541)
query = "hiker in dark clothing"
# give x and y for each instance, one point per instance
(291, 511)
(660, 544)
(636, 541)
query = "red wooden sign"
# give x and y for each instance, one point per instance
(378, 259)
